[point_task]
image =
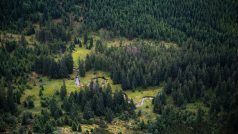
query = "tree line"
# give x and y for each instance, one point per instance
(209, 21)
(92, 101)
(206, 21)
(191, 72)
(46, 65)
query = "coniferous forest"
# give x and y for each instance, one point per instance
(119, 66)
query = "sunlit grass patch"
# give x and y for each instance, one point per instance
(53, 85)
(147, 111)
(79, 52)
(139, 93)
(86, 127)
(118, 126)
(147, 108)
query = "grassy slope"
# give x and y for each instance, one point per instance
(140, 92)
(79, 53)
(51, 85)
(147, 107)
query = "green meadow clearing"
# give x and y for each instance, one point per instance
(118, 67)
(51, 86)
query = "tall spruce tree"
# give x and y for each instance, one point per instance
(87, 112)
(63, 91)
(82, 68)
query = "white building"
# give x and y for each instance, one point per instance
(77, 81)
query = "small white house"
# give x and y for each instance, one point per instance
(77, 81)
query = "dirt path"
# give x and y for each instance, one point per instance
(143, 100)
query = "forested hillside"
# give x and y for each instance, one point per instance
(119, 66)
(211, 21)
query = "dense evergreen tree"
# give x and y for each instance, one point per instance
(71, 47)
(11, 105)
(87, 113)
(200, 65)
(90, 43)
(168, 86)
(40, 92)
(63, 91)
(80, 44)
(108, 97)
(109, 115)
(69, 63)
(85, 39)
(48, 128)
(99, 46)
(190, 73)
(159, 102)
(42, 124)
(26, 117)
(54, 109)
(76, 40)
(181, 20)
(82, 70)
(47, 66)
(62, 69)
(74, 127)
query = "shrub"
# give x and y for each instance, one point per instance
(26, 118)
(29, 103)
(74, 126)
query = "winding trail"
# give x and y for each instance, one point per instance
(143, 100)
(141, 103)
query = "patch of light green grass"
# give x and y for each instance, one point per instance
(138, 94)
(147, 111)
(147, 108)
(79, 52)
(53, 85)
(35, 93)
(118, 126)
(86, 127)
